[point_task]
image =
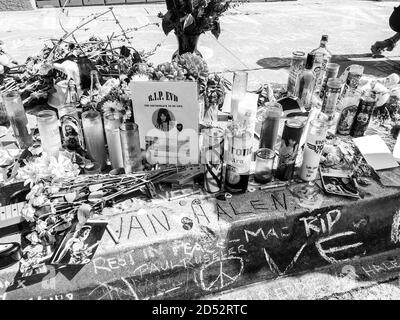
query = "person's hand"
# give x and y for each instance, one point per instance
(380, 46)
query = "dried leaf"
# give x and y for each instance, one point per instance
(167, 23)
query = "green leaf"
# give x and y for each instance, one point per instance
(167, 23)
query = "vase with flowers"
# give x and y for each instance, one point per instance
(190, 18)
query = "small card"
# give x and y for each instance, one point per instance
(79, 247)
(376, 152)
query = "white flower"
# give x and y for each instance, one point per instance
(39, 201)
(28, 212)
(41, 227)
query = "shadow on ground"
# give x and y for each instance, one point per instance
(379, 67)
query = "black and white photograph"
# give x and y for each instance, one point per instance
(201, 157)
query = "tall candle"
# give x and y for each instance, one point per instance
(94, 137)
(49, 132)
(112, 121)
(18, 120)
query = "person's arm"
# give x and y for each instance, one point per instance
(387, 44)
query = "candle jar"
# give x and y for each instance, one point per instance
(212, 158)
(296, 67)
(4, 121)
(270, 125)
(112, 122)
(264, 165)
(71, 128)
(94, 136)
(130, 143)
(239, 88)
(18, 120)
(49, 132)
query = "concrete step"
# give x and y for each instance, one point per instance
(372, 277)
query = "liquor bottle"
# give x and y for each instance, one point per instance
(238, 158)
(305, 87)
(326, 58)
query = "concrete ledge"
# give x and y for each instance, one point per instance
(218, 246)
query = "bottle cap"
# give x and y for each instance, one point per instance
(325, 38)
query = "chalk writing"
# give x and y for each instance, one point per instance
(318, 224)
(282, 233)
(324, 252)
(150, 224)
(377, 268)
(67, 296)
(208, 281)
(395, 232)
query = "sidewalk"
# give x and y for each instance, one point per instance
(250, 35)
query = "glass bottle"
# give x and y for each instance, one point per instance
(49, 132)
(130, 144)
(332, 71)
(306, 82)
(329, 102)
(296, 67)
(112, 122)
(312, 150)
(19, 122)
(363, 115)
(4, 121)
(239, 87)
(238, 158)
(270, 125)
(94, 137)
(326, 58)
(212, 158)
(288, 151)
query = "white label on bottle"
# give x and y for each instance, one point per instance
(240, 152)
(312, 153)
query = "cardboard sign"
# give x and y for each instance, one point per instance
(167, 113)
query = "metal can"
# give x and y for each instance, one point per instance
(363, 116)
(296, 67)
(212, 158)
(71, 128)
(289, 149)
(312, 150)
(238, 158)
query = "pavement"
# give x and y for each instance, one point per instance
(258, 37)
